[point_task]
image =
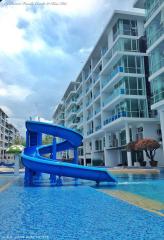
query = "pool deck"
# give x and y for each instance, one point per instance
(137, 200)
(134, 170)
(112, 170)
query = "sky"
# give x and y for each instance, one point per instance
(44, 47)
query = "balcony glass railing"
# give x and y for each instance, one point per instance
(158, 97)
(155, 67)
(98, 127)
(88, 88)
(79, 110)
(103, 51)
(96, 78)
(155, 36)
(122, 91)
(97, 110)
(89, 131)
(152, 7)
(113, 96)
(79, 96)
(97, 93)
(132, 114)
(89, 117)
(111, 75)
(88, 103)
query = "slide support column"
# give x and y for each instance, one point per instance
(54, 149)
(75, 156)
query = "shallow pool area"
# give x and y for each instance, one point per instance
(79, 212)
(146, 185)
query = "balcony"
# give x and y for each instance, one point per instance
(88, 102)
(89, 131)
(97, 93)
(115, 117)
(97, 110)
(79, 96)
(96, 78)
(157, 97)
(111, 75)
(153, 38)
(150, 10)
(132, 114)
(88, 88)
(98, 127)
(113, 96)
(87, 75)
(103, 51)
(79, 110)
(154, 68)
(89, 117)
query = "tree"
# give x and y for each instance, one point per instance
(19, 141)
(130, 147)
(149, 146)
(47, 139)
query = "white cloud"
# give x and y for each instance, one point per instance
(14, 91)
(73, 8)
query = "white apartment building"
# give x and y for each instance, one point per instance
(8, 133)
(109, 101)
(154, 27)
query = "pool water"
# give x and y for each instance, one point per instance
(77, 212)
(147, 185)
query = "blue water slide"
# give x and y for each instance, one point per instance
(38, 158)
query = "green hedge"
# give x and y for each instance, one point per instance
(98, 163)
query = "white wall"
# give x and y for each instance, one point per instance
(112, 158)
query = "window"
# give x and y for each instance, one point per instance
(130, 27)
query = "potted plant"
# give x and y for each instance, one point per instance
(149, 146)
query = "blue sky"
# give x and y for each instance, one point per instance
(43, 48)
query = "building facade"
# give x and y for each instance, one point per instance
(111, 95)
(154, 27)
(8, 134)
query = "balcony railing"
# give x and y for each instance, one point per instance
(88, 88)
(96, 94)
(103, 51)
(154, 68)
(98, 127)
(157, 97)
(96, 78)
(152, 39)
(89, 131)
(97, 110)
(112, 75)
(79, 96)
(153, 8)
(88, 103)
(114, 95)
(132, 114)
(89, 117)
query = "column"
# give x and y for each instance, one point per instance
(129, 157)
(119, 144)
(75, 160)
(16, 165)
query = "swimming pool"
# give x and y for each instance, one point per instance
(146, 185)
(74, 213)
